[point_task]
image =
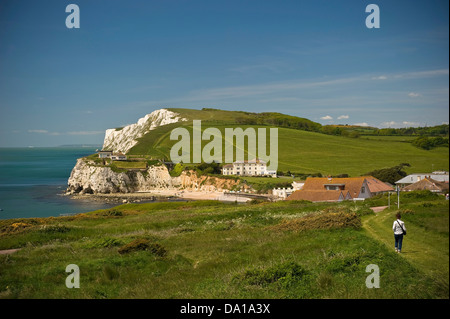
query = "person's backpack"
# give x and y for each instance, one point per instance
(404, 231)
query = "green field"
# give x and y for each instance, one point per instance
(311, 152)
(209, 249)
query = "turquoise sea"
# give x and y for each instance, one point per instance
(32, 181)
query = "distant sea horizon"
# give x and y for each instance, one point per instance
(34, 179)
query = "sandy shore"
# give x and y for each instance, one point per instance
(160, 194)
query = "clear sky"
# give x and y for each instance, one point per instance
(308, 58)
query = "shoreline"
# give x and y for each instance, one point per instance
(156, 195)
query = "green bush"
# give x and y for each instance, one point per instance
(422, 194)
(346, 264)
(389, 175)
(284, 274)
(112, 213)
(105, 243)
(427, 143)
(177, 170)
(143, 245)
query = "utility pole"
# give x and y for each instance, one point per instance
(398, 197)
(389, 199)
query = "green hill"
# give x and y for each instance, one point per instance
(301, 146)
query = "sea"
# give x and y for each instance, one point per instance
(33, 181)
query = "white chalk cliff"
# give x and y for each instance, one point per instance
(122, 140)
(88, 177)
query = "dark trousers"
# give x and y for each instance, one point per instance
(398, 241)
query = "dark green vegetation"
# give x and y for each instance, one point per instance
(302, 146)
(208, 249)
(428, 143)
(391, 174)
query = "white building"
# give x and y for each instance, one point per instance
(255, 167)
(104, 153)
(440, 176)
(283, 193)
(118, 157)
(297, 185)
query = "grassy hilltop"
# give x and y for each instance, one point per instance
(209, 249)
(302, 145)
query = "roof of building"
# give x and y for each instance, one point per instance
(253, 161)
(319, 195)
(351, 184)
(228, 166)
(427, 184)
(440, 176)
(376, 186)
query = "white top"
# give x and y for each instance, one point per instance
(396, 227)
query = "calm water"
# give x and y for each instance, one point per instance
(32, 181)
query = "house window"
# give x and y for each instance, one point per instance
(363, 190)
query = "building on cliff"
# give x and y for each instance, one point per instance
(255, 167)
(104, 153)
(118, 157)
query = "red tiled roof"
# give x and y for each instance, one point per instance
(315, 190)
(427, 183)
(376, 186)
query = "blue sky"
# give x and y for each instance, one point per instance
(308, 58)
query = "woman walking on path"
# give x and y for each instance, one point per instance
(399, 230)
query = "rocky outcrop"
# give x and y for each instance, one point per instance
(87, 177)
(123, 139)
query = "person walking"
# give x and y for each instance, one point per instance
(399, 231)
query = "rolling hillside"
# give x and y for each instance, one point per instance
(301, 148)
(209, 249)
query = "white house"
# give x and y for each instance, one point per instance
(439, 176)
(118, 157)
(297, 185)
(104, 154)
(283, 193)
(255, 167)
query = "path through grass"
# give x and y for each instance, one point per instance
(423, 247)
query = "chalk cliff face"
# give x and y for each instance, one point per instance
(122, 140)
(86, 177)
(90, 177)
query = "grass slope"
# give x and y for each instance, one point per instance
(215, 250)
(311, 152)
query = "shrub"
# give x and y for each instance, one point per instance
(143, 245)
(105, 243)
(54, 229)
(422, 194)
(348, 263)
(112, 213)
(256, 201)
(177, 170)
(389, 175)
(15, 227)
(284, 274)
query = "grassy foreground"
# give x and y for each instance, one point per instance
(208, 249)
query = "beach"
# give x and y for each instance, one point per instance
(165, 194)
